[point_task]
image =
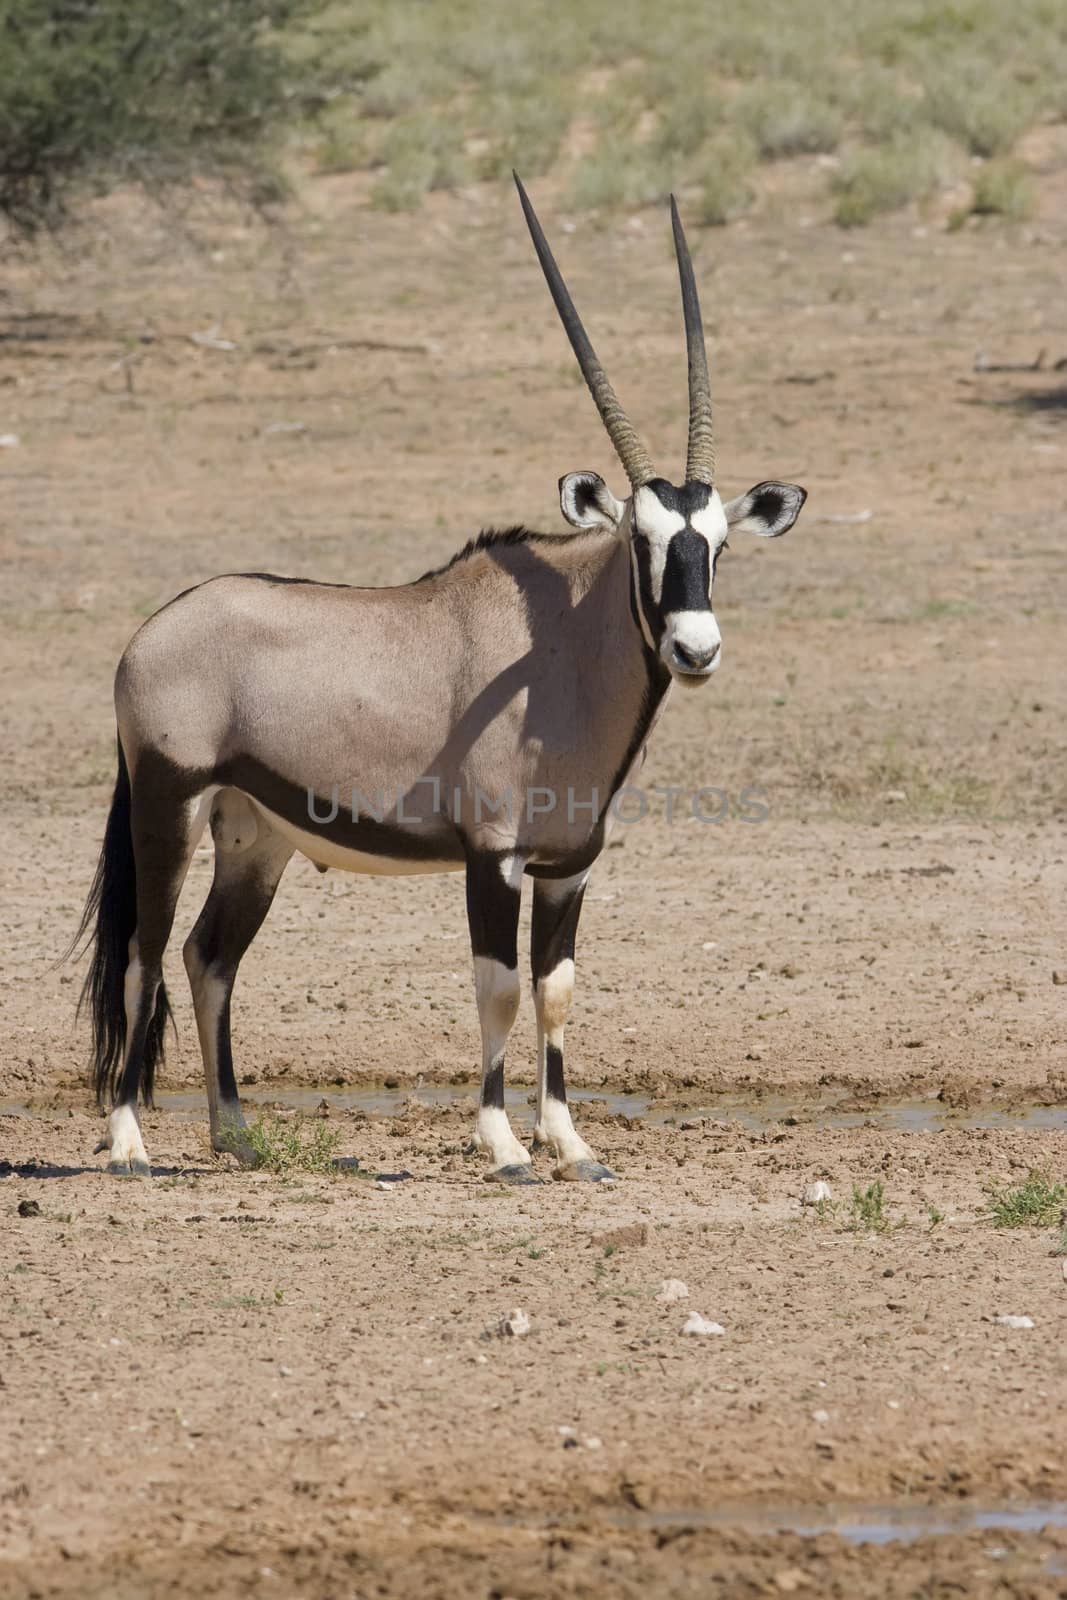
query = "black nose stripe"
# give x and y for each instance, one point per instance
(686, 574)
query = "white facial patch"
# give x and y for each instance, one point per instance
(710, 520)
(659, 525)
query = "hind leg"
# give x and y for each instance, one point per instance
(249, 862)
(165, 831)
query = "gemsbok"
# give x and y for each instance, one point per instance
(480, 719)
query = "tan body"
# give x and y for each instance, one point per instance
(534, 688)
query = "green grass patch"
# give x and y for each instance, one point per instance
(434, 96)
(297, 1145)
(866, 1212)
(1037, 1203)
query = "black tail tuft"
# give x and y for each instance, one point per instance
(110, 918)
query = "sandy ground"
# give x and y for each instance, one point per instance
(228, 1383)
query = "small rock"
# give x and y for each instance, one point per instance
(1015, 1322)
(593, 1443)
(514, 1326)
(820, 1417)
(894, 796)
(1059, 978)
(673, 1289)
(700, 1327)
(210, 340)
(29, 1208)
(818, 1193)
(791, 1580)
(9, 441)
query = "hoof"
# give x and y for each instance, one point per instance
(518, 1172)
(132, 1168)
(584, 1172)
(233, 1143)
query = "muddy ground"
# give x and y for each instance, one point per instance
(222, 1383)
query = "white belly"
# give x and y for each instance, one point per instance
(324, 853)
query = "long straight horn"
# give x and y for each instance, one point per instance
(700, 460)
(628, 445)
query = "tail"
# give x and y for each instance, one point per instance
(110, 920)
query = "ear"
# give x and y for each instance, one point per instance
(587, 502)
(769, 510)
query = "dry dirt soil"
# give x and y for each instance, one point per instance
(224, 1383)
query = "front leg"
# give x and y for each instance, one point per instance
(493, 896)
(556, 908)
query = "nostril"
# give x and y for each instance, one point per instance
(696, 659)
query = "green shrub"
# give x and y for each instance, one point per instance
(726, 188)
(523, 131)
(686, 120)
(884, 179)
(150, 90)
(619, 172)
(785, 119)
(421, 152)
(1003, 188)
(981, 107)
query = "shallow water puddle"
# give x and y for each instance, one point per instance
(753, 1114)
(859, 1524)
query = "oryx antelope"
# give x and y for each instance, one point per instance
(485, 716)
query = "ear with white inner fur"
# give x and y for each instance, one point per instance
(769, 510)
(587, 502)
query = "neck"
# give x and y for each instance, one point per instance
(639, 681)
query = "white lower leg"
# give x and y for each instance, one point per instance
(552, 998)
(123, 1141)
(497, 990)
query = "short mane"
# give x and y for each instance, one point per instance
(492, 539)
